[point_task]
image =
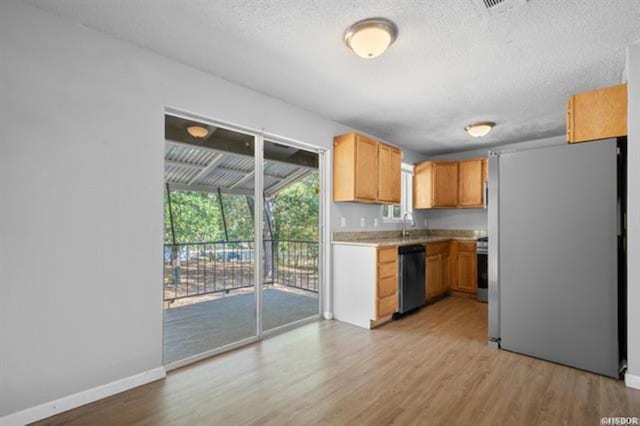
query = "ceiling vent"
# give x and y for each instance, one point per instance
(491, 3)
(497, 6)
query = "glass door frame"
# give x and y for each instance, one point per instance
(323, 237)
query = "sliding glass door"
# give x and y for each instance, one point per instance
(229, 278)
(291, 188)
(209, 263)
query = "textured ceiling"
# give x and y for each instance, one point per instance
(453, 63)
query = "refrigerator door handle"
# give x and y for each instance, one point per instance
(485, 194)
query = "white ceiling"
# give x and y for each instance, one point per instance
(453, 63)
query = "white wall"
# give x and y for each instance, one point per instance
(81, 173)
(476, 218)
(633, 215)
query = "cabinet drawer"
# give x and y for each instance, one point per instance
(387, 255)
(387, 306)
(387, 286)
(386, 270)
(467, 246)
(441, 247)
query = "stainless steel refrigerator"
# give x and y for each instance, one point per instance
(555, 233)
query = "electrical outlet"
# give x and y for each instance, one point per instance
(375, 222)
(343, 222)
(363, 222)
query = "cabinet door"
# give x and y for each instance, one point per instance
(389, 174)
(422, 185)
(470, 183)
(387, 306)
(344, 163)
(366, 169)
(445, 284)
(485, 170)
(396, 176)
(445, 184)
(434, 276)
(599, 114)
(466, 267)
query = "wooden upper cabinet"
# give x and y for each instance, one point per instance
(366, 167)
(445, 184)
(389, 174)
(485, 170)
(471, 183)
(423, 185)
(449, 184)
(365, 170)
(435, 184)
(599, 114)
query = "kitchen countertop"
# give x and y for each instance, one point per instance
(399, 241)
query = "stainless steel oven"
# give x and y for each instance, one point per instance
(482, 250)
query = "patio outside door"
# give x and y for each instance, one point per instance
(242, 243)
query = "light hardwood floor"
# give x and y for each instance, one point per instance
(431, 368)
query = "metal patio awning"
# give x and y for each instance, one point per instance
(199, 168)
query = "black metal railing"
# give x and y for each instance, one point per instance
(196, 269)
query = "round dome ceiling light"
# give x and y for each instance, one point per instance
(198, 132)
(477, 130)
(371, 37)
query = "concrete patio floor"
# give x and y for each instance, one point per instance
(193, 329)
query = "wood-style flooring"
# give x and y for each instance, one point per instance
(432, 368)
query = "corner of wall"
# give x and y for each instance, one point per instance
(632, 377)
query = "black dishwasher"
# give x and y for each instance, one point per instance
(411, 275)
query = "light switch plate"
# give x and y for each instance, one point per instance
(363, 222)
(375, 222)
(343, 222)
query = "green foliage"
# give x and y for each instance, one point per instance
(239, 218)
(198, 218)
(296, 210)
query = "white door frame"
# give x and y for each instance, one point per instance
(324, 251)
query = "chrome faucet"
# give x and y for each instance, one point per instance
(405, 234)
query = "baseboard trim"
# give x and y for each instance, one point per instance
(76, 400)
(632, 381)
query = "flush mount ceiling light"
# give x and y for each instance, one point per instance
(370, 38)
(198, 132)
(478, 130)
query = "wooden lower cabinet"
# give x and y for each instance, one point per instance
(387, 282)
(464, 267)
(451, 266)
(437, 264)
